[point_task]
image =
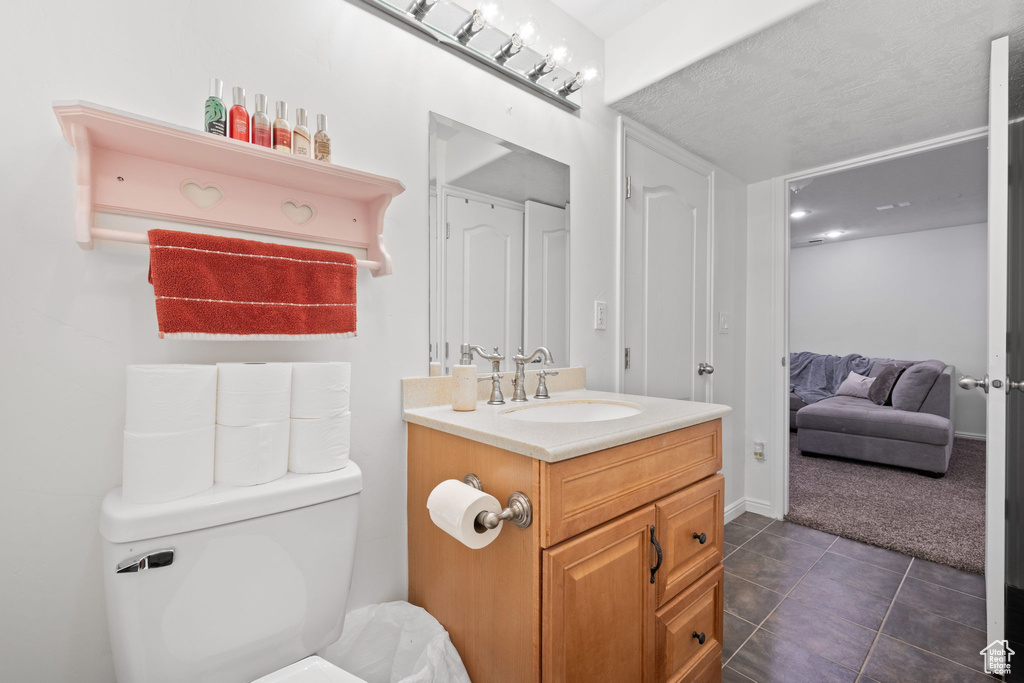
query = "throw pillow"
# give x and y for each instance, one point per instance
(855, 385)
(914, 385)
(883, 384)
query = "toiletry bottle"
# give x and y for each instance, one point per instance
(261, 123)
(282, 131)
(238, 117)
(302, 142)
(321, 141)
(216, 117)
(464, 387)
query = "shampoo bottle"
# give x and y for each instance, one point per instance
(302, 143)
(261, 123)
(463, 387)
(238, 117)
(282, 131)
(321, 142)
(216, 116)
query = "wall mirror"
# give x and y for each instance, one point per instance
(499, 247)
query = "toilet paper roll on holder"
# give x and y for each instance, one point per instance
(518, 509)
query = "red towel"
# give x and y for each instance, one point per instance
(210, 287)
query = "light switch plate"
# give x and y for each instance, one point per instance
(723, 322)
(600, 315)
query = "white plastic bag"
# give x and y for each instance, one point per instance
(396, 642)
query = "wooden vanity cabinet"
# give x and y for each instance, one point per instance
(573, 596)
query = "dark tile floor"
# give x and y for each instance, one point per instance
(802, 605)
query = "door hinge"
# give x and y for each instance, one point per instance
(627, 358)
(783, 361)
(629, 187)
(446, 350)
(447, 230)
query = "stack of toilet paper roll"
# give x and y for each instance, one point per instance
(168, 432)
(321, 423)
(253, 407)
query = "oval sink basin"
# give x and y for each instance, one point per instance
(574, 411)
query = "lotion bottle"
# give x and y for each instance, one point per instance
(302, 143)
(261, 123)
(464, 387)
(321, 141)
(238, 117)
(216, 116)
(282, 131)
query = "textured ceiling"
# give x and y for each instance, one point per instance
(839, 80)
(605, 17)
(944, 187)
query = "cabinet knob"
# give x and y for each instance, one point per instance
(700, 637)
(703, 538)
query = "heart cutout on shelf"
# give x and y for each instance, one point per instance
(298, 213)
(205, 197)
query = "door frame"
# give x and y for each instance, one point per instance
(629, 129)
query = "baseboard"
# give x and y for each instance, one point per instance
(970, 435)
(759, 507)
(735, 509)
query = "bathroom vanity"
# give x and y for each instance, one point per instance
(619, 575)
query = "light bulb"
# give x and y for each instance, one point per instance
(560, 54)
(487, 13)
(592, 72)
(491, 12)
(526, 34)
(799, 213)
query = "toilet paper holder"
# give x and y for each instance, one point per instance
(518, 509)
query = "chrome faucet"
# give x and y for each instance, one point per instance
(519, 381)
(467, 350)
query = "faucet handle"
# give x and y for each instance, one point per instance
(497, 398)
(542, 383)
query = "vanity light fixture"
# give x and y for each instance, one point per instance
(800, 213)
(832, 234)
(419, 8)
(526, 35)
(591, 72)
(560, 54)
(487, 13)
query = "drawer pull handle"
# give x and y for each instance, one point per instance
(700, 637)
(657, 547)
(703, 538)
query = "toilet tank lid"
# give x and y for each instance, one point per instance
(124, 522)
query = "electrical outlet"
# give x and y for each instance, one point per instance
(600, 315)
(759, 450)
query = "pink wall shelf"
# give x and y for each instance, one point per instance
(135, 166)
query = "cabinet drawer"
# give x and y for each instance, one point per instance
(581, 493)
(695, 511)
(698, 610)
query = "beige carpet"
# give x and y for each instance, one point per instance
(942, 520)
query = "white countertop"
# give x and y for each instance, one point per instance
(555, 441)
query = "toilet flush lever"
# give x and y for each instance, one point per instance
(152, 560)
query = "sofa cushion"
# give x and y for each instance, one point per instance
(883, 383)
(795, 402)
(848, 415)
(855, 385)
(914, 384)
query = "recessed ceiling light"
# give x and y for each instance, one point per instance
(903, 204)
(885, 208)
(799, 213)
(832, 234)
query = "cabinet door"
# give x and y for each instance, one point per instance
(684, 519)
(598, 604)
(694, 616)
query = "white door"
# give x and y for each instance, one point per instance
(995, 484)
(484, 278)
(546, 287)
(666, 270)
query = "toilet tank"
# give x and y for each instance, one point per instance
(258, 579)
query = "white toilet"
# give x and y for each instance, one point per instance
(234, 584)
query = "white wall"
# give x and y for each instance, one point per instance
(677, 33)
(71, 320)
(913, 296)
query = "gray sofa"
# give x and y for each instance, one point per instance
(859, 429)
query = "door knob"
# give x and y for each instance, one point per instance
(1011, 385)
(705, 369)
(968, 382)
